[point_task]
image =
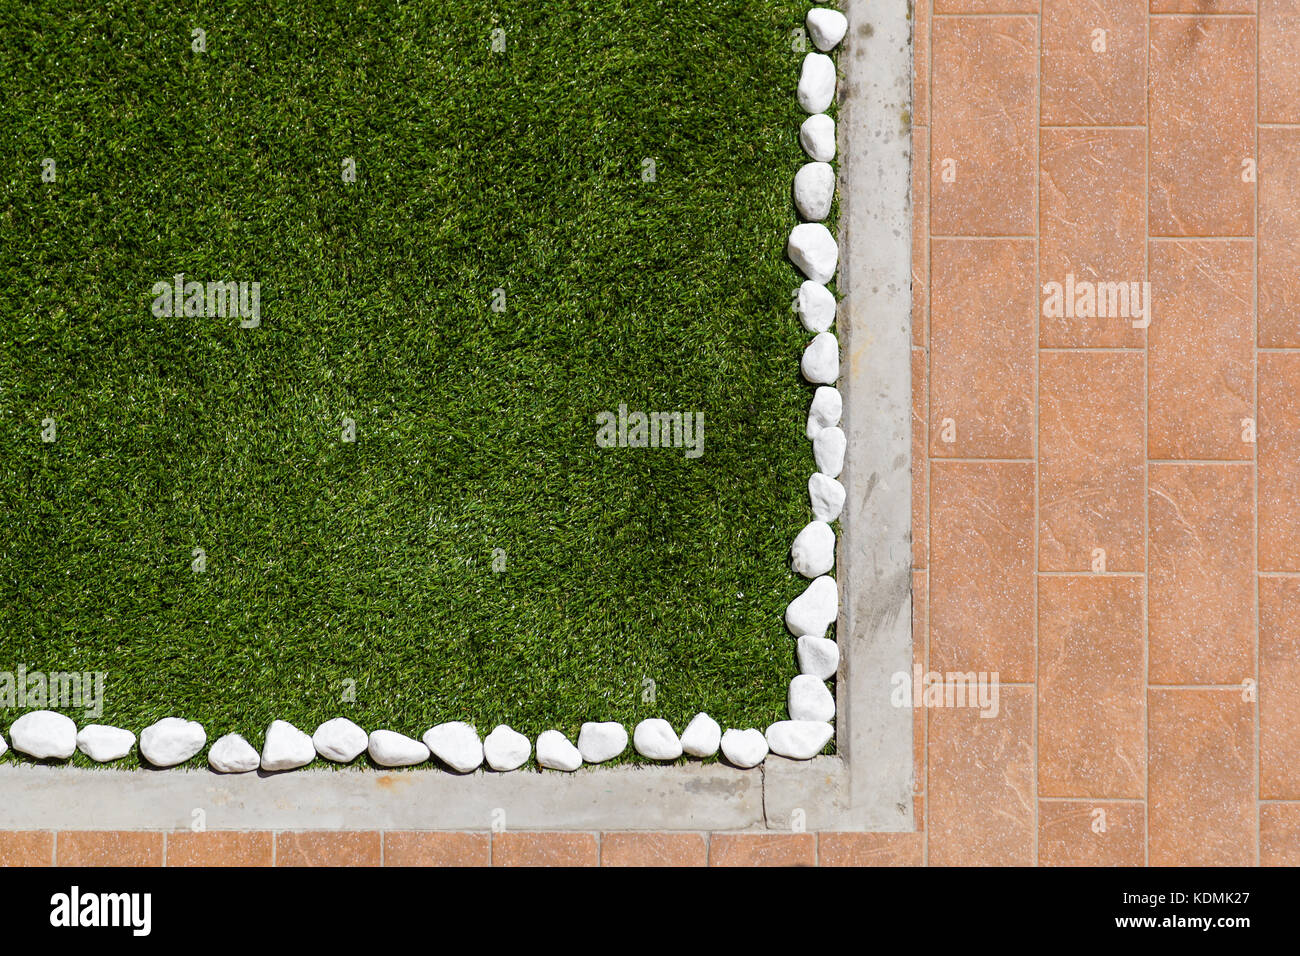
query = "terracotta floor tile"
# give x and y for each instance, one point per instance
(1279, 834)
(920, 477)
(1279, 461)
(1202, 120)
(1080, 833)
(763, 849)
(1279, 236)
(1201, 610)
(984, 125)
(920, 608)
(328, 848)
(870, 849)
(1092, 461)
(982, 348)
(920, 236)
(1093, 223)
(921, 63)
(109, 848)
(1279, 675)
(1083, 84)
(220, 848)
(981, 796)
(423, 848)
(981, 568)
(946, 7)
(654, 849)
(26, 848)
(1091, 693)
(1201, 807)
(1201, 349)
(1203, 6)
(545, 849)
(1279, 61)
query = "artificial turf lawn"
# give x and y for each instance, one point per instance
(372, 562)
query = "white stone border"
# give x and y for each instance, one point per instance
(48, 735)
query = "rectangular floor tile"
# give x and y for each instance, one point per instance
(920, 638)
(1094, 62)
(981, 795)
(920, 478)
(1279, 834)
(1279, 236)
(1080, 833)
(946, 7)
(1093, 226)
(109, 848)
(1202, 602)
(921, 63)
(415, 848)
(1202, 120)
(545, 849)
(1092, 462)
(763, 849)
(982, 348)
(870, 849)
(1091, 693)
(328, 848)
(220, 848)
(1202, 778)
(1203, 6)
(1201, 349)
(1279, 676)
(1279, 461)
(26, 848)
(1279, 61)
(981, 568)
(984, 126)
(920, 236)
(654, 849)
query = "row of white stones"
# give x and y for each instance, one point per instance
(46, 734)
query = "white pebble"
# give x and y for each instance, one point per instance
(744, 748)
(102, 744)
(817, 137)
(813, 551)
(821, 359)
(815, 610)
(505, 749)
(701, 736)
(828, 451)
(814, 189)
(3, 746)
(812, 248)
(816, 306)
(233, 754)
(810, 699)
(44, 734)
(799, 739)
(171, 740)
(286, 747)
(825, 411)
(555, 752)
(598, 742)
(456, 744)
(656, 739)
(391, 749)
(340, 740)
(827, 497)
(818, 656)
(826, 27)
(817, 83)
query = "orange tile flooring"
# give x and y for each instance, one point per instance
(1106, 514)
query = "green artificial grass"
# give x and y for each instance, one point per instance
(366, 569)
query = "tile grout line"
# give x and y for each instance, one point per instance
(1146, 454)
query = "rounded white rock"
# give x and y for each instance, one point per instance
(821, 359)
(286, 747)
(825, 411)
(701, 736)
(810, 699)
(233, 754)
(44, 734)
(799, 739)
(556, 752)
(826, 495)
(828, 450)
(102, 744)
(815, 610)
(744, 748)
(456, 744)
(816, 306)
(655, 738)
(388, 748)
(826, 27)
(598, 742)
(813, 249)
(505, 749)
(813, 551)
(816, 83)
(817, 137)
(3, 746)
(340, 740)
(171, 740)
(814, 189)
(818, 656)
